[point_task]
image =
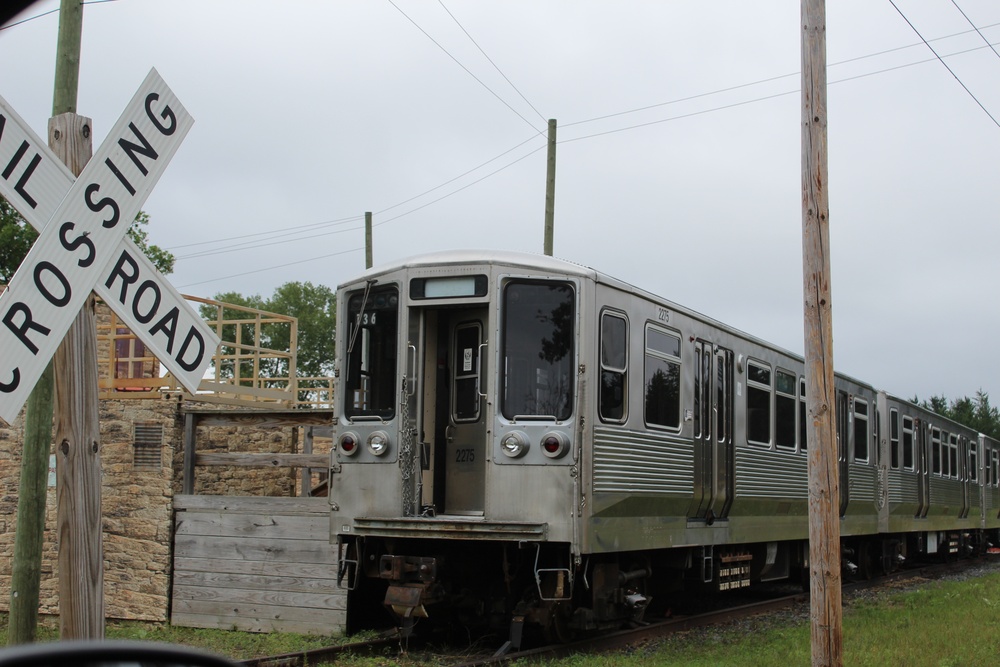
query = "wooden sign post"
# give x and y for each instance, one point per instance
(82, 246)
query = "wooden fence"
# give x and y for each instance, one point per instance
(256, 564)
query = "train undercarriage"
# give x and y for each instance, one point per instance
(505, 587)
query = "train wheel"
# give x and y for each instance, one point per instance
(866, 561)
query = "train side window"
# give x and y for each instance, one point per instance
(614, 367)
(860, 430)
(758, 403)
(803, 434)
(784, 409)
(936, 450)
(996, 467)
(894, 439)
(908, 443)
(662, 386)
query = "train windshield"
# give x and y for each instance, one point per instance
(372, 319)
(538, 338)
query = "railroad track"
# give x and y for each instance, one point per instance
(611, 641)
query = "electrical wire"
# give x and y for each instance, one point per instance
(941, 60)
(505, 78)
(458, 62)
(277, 232)
(978, 31)
(271, 268)
(52, 11)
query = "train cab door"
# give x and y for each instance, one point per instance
(843, 448)
(712, 426)
(463, 457)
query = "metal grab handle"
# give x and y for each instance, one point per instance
(479, 388)
(411, 365)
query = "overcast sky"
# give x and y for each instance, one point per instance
(678, 162)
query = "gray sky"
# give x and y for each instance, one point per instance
(308, 114)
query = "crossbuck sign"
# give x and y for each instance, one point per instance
(82, 245)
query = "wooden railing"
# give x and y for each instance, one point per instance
(245, 371)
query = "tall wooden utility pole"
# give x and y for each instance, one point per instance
(77, 426)
(368, 239)
(824, 486)
(550, 188)
(26, 570)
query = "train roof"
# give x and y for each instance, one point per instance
(504, 257)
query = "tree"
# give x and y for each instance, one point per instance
(17, 236)
(975, 412)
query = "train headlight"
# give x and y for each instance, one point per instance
(378, 443)
(348, 443)
(514, 444)
(555, 445)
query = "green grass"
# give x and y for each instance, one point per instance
(232, 643)
(938, 624)
(941, 624)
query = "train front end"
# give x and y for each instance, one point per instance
(454, 485)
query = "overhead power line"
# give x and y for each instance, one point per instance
(459, 63)
(271, 268)
(978, 31)
(52, 11)
(505, 78)
(941, 60)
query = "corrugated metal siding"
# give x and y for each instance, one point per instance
(641, 462)
(761, 473)
(902, 487)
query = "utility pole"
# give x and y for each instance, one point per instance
(550, 188)
(32, 493)
(368, 239)
(77, 425)
(821, 437)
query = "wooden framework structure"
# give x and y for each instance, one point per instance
(248, 372)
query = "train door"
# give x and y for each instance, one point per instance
(464, 452)
(962, 462)
(713, 438)
(923, 469)
(843, 448)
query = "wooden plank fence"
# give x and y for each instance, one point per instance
(256, 564)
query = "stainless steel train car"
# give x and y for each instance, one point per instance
(521, 439)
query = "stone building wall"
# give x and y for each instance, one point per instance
(136, 508)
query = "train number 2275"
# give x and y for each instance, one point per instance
(465, 455)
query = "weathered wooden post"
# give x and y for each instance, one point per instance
(824, 491)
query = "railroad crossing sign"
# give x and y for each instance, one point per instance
(82, 245)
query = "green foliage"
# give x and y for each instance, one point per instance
(162, 259)
(975, 412)
(16, 237)
(315, 307)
